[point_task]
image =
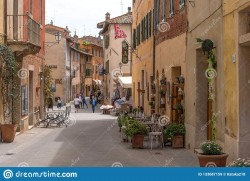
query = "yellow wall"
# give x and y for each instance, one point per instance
(145, 53)
(236, 24)
(169, 54)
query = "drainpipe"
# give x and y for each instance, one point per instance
(154, 76)
(70, 78)
(5, 21)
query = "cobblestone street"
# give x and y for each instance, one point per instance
(93, 140)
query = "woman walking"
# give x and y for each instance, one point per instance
(59, 103)
(77, 104)
(94, 103)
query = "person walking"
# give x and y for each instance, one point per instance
(80, 101)
(84, 102)
(94, 103)
(77, 104)
(59, 103)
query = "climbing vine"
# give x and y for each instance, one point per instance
(48, 80)
(10, 90)
(211, 74)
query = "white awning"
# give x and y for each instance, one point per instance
(126, 82)
(97, 82)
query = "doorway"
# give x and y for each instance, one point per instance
(203, 107)
(31, 100)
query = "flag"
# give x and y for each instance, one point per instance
(119, 33)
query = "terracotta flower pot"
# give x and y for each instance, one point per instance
(212, 160)
(137, 141)
(8, 132)
(178, 141)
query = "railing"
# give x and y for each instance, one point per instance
(21, 28)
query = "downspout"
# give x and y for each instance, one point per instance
(5, 21)
(70, 78)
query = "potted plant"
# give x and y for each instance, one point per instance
(152, 104)
(212, 155)
(9, 88)
(179, 108)
(240, 163)
(162, 93)
(136, 131)
(175, 132)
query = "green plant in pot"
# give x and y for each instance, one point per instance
(151, 104)
(136, 131)
(10, 93)
(179, 108)
(175, 132)
(162, 92)
(211, 154)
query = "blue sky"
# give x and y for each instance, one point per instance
(83, 15)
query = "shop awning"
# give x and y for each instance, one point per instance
(126, 82)
(97, 82)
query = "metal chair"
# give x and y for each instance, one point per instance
(157, 133)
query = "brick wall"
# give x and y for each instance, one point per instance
(178, 23)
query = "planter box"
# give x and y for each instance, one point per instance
(137, 141)
(8, 132)
(212, 160)
(178, 141)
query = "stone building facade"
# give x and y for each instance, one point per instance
(113, 53)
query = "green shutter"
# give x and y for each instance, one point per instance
(134, 39)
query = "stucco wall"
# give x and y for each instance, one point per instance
(143, 57)
(210, 28)
(169, 54)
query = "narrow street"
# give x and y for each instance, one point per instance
(92, 140)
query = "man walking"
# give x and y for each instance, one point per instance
(84, 102)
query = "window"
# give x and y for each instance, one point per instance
(24, 94)
(182, 3)
(41, 12)
(93, 51)
(106, 41)
(138, 37)
(163, 10)
(88, 72)
(134, 38)
(31, 6)
(156, 13)
(149, 24)
(107, 67)
(171, 8)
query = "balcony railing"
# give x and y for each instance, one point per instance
(21, 28)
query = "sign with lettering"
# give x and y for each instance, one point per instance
(124, 52)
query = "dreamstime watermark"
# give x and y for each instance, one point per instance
(23, 164)
(163, 26)
(168, 68)
(117, 164)
(23, 73)
(74, 162)
(210, 164)
(71, 121)
(168, 162)
(7, 174)
(111, 126)
(210, 121)
(211, 73)
(164, 120)
(116, 73)
(214, 22)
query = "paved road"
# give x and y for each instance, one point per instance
(94, 140)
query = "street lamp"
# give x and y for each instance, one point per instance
(58, 37)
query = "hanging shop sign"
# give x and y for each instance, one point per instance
(124, 52)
